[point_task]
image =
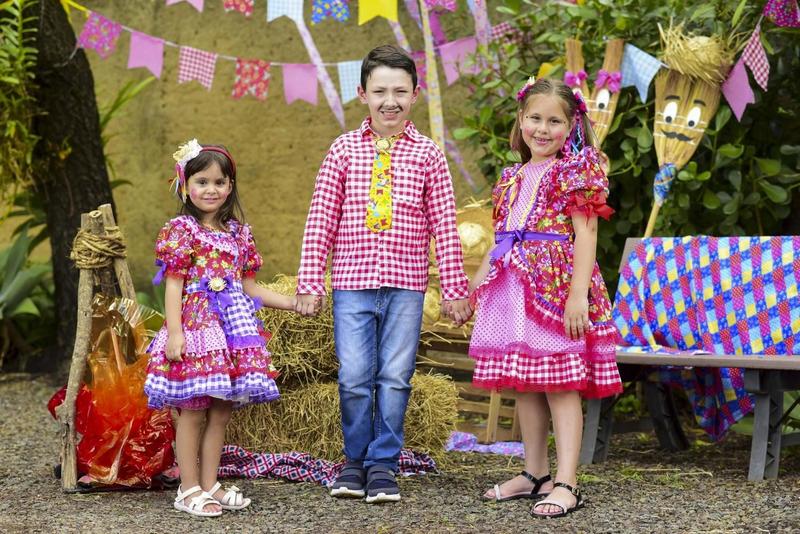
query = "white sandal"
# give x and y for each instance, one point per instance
(233, 498)
(196, 504)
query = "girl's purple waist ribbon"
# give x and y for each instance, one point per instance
(505, 240)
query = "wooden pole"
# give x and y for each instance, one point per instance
(651, 222)
(83, 332)
(120, 264)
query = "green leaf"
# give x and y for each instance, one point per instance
(738, 13)
(789, 150)
(17, 256)
(731, 207)
(722, 117)
(735, 178)
(768, 167)
(731, 151)
(20, 287)
(26, 307)
(464, 133)
(644, 139)
(703, 176)
(775, 193)
(710, 200)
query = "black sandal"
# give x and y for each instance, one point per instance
(533, 494)
(564, 510)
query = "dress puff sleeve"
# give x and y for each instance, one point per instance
(584, 185)
(174, 250)
(252, 259)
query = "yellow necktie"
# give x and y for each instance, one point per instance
(379, 207)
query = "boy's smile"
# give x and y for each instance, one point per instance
(389, 95)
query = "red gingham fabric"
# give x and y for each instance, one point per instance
(194, 64)
(756, 58)
(506, 33)
(423, 207)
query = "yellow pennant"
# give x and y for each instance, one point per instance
(369, 9)
(68, 4)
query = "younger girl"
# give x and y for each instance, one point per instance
(544, 325)
(211, 353)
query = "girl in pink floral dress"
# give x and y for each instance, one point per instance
(544, 323)
(211, 353)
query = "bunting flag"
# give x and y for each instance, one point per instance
(336, 9)
(146, 51)
(434, 97)
(737, 89)
(245, 7)
(349, 79)
(300, 82)
(449, 5)
(324, 78)
(369, 9)
(784, 13)
(433, 17)
(638, 68)
(252, 78)
(506, 34)
(756, 58)
(422, 70)
(194, 64)
(99, 34)
(197, 4)
(288, 8)
(458, 56)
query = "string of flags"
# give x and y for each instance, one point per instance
(253, 76)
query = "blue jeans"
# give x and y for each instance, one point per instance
(376, 333)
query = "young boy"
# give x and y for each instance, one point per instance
(382, 191)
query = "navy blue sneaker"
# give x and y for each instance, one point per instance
(350, 482)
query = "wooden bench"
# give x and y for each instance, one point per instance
(765, 377)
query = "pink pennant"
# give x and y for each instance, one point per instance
(245, 7)
(197, 4)
(194, 64)
(146, 51)
(99, 34)
(756, 58)
(784, 13)
(737, 89)
(300, 82)
(458, 57)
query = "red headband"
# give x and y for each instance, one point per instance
(222, 151)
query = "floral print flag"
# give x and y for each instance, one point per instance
(100, 34)
(336, 9)
(252, 78)
(245, 7)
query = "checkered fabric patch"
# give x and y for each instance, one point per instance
(506, 34)
(736, 295)
(756, 58)
(194, 64)
(638, 68)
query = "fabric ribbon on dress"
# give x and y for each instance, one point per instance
(162, 269)
(506, 240)
(592, 206)
(610, 80)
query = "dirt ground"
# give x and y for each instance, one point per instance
(640, 489)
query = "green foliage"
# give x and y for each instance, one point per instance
(27, 318)
(17, 106)
(739, 182)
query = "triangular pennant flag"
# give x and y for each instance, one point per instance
(252, 78)
(369, 9)
(638, 68)
(194, 64)
(349, 79)
(458, 56)
(328, 89)
(336, 9)
(755, 57)
(285, 8)
(146, 51)
(245, 7)
(784, 13)
(737, 89)
(300, 82)
(197, 4)
(99, 34)
(449, 5)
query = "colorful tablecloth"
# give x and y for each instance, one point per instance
(734, 295)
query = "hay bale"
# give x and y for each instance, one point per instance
(302, 347)
(308, 420)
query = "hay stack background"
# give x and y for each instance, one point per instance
(302, 347)
(308, 420)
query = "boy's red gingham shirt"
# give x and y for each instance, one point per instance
(423, 206)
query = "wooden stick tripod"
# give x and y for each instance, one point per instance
(113, 278)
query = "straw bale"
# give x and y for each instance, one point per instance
(302, 347)
(308, 420)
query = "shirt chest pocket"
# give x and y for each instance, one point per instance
(408, 186)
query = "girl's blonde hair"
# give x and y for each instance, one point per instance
(581, 133)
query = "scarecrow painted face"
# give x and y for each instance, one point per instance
(602, 99)
(684, 107)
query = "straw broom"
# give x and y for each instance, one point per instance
(601, 115)
(575, 61)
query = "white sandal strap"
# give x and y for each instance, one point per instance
(552, 502)
(183, 494)
(201, 501)
(214, 488)
(233, 497)
(497, 492)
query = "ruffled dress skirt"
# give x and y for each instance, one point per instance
(225, 357)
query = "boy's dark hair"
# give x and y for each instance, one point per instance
(388, 56)
(232, 208)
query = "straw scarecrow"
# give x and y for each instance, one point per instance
(687, 97)
(603, 98)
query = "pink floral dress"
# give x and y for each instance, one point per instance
(226, 355)
(518, 341)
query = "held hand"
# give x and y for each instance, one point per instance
(308, 305)
(576, 317)
(176, 344)
(460, 311)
